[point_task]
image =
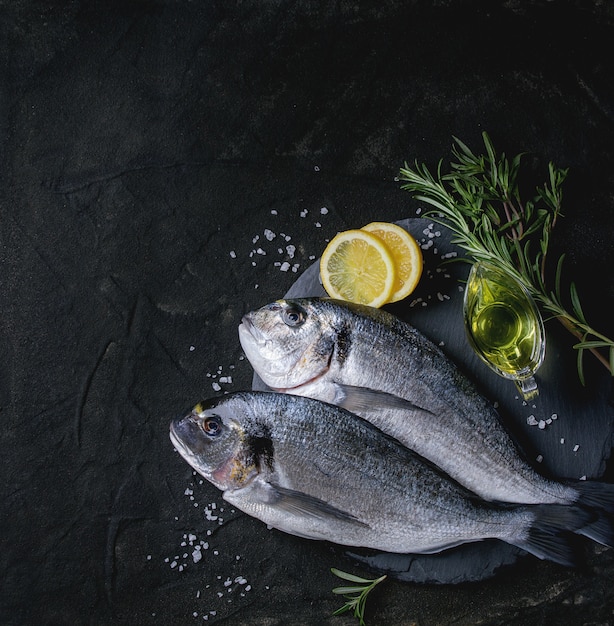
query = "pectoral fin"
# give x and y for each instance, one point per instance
(303, 504)
(268, 501)
(359, 399)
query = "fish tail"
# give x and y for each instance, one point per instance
(550, 535)
(595, 495)
(601, 530)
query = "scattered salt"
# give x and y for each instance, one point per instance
(576, 447)
(216, 386)
(541, 425)
(539, 458)
(273, 212)
(531, 421)
(269, 234)
(233, 254)
(323, 210)
(285, 266)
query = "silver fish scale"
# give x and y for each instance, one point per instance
(401, 503)
(453, 426)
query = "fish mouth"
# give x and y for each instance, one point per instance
(186, 436)
(247, 327)
(176, 440)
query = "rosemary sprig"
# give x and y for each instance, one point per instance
(356, 594)
(479, 200)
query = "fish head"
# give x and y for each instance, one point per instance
(288, 342)
(212, 439)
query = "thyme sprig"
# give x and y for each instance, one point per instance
(356, 594)
(479, 200)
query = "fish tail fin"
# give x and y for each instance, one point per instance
(595, 495)
(551, 535)
(601, 530)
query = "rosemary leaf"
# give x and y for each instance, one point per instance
(479, 201)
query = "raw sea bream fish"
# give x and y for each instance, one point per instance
(381, 368)
(317, 471)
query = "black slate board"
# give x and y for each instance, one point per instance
(566, 432)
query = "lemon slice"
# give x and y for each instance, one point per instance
(406, 254)
(357, 266)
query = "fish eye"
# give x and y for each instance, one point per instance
(293, 316)
(212, 425)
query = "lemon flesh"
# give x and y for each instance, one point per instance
(406, 254)
(357, 266)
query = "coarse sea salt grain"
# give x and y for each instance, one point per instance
(323, 211)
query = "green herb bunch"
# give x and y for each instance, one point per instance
(479, 200)
(355, 594)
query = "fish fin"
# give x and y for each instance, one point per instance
(601, 530)
(550, 536)
(595, 495)
(357, 399)
(297, 502)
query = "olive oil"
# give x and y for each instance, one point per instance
(504, 325)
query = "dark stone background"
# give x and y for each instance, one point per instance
(142, 142)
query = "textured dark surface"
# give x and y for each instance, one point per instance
(142, 144)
